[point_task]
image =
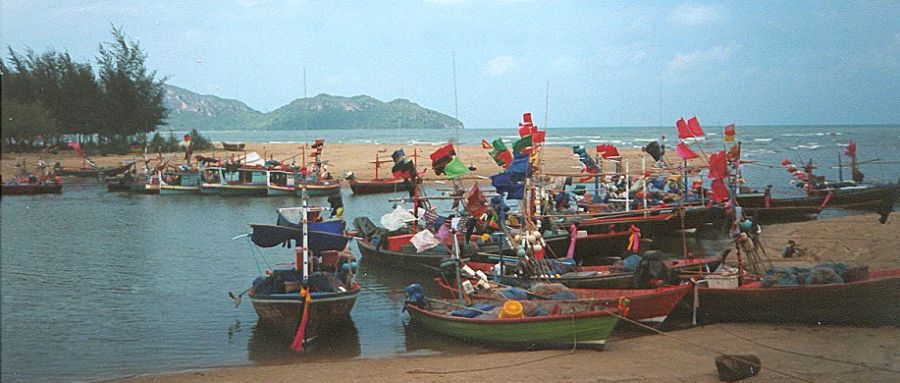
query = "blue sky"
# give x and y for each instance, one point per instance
(608, 63)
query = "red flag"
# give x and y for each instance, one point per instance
(786, 162)
(719, 190)
(526, 129)
(694, 127)
(187, 138)
(682, 128)
(717, 165)
(527, 118)
(486, 145)
(851, 149)
(729, 133)
(475, 202)
(685, 152)
(444, 151)
(538, 136)
(607, 150)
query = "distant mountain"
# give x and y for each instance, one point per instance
(189, 110)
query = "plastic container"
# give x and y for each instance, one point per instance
(722, 281)
(512, 310)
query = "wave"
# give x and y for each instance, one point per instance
(768, 139)
(810, 147)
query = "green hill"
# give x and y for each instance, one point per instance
(188, 110)
(191, 110)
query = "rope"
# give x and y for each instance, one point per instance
(820, 357)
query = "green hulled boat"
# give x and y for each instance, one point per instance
(556, 324)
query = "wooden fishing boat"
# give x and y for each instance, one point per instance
(281, 182)
(244, 181)
(378, 185)
(645, 305)
(874, 300)
(87, 171)
(849, 197)
(179, 182)
(49, 187)
(600, 277)
(563, 324)
(398, 252)
(318, 187)
(652, 222)
(233, 146)
(305, 299)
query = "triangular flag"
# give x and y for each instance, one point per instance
(685, 152)
(694, 127)
(456, 168)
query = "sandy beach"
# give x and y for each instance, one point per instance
(340, 158)
(788, 352)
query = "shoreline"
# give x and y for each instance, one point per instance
(339, 158)
(813, 350)
(811, 354)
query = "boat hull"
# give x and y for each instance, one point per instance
(875, 301)
(280, 191)
(377, 186)
(426, 263)
(176, 190)
(583, 330)
(318, 190)
(646, 305)
(90, 172)
(242, 190)
(283, 312)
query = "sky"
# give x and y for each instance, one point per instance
(605, 63)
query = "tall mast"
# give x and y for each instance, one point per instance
(305, 212)
(547, 105)
(455, 98)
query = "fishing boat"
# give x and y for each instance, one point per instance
(246, 180)
(92, 171)
(600, 277)
(280, 182)
(32, 185)
(381, 249)
(320, 187)
(183, 180)
(307, 298)
(553, 324)
(872, 299)
(645, 305)
(378, 185)
(233, 146)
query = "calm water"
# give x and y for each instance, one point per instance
(98, 285)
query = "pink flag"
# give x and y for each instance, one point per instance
(682, 128)
(685, 152)
(719, 190)
(694, 127)
(717, 165)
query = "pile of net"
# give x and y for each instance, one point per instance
(823, 274)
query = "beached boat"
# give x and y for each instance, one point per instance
(319, 187)
(233, 146)
(181, 181)
(645, 305)
(378, 185)
(600, 277)
(872, 300)
(89, 171)
(278, 298)
(554, 324)
(27, 187)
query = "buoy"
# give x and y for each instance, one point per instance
(511, 310)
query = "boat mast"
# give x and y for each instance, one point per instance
(305, 212)
(455, 98)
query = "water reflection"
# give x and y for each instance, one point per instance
(268, 346)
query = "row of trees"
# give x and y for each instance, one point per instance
(46, 96)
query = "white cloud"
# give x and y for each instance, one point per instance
(500, 65)
(696, 14)
(687, 61)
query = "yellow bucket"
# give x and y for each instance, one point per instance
(512, 310)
